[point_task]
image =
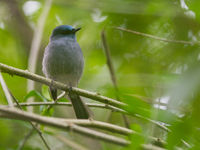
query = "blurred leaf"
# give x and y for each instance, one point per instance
(35, 94)
(45, 91)
(45, 110)
(146, 69)
(137, 106)
(136, 139)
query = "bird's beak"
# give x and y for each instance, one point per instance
(77, 29)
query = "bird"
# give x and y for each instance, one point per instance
(63, 61)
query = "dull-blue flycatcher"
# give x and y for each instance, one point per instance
(63, 61)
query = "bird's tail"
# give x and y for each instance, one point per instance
(81, 110)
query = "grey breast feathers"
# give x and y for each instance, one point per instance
(63, 61)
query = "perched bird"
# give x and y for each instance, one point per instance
(63, 61)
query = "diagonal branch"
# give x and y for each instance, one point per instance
(109, 60)
(27, 136)
(41, 79)
(112, 72)
(6, 91)
(156, 37)
(95, 96)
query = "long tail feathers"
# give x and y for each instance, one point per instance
(81, 110)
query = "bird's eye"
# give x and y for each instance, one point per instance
(67, 32)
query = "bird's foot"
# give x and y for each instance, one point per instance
(53, 91)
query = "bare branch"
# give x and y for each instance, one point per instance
(115, 109)
(109, 60)
(112, 72)
(95, 96)
(156, 37)
(22, 115)
(62, 124)
(5, 90)
(22, 143)
(41, 79)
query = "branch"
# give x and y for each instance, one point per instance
(95, 96)
(109, 60)
(115, 109)
(5, 90)
(22, 143)
(63, 124)
(21, 115)
(58, 85)
(112, 72)
(156, 37)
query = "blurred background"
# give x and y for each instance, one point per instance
(159, 80)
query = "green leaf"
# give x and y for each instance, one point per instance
(36, 94)
(137, 106)
(45, 91)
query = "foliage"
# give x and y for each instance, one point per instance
(158, 80)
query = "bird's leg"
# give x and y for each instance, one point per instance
(69, 92)
(70, 89)
(53, 91)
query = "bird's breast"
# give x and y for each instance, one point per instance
(63, 61)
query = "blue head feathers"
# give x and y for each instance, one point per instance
(64, 30)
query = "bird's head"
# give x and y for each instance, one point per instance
(64, 30)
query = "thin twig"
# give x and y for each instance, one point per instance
(6, 92)
(109, 60)
(156, 37)
(22, 143)
(154, 122)
(112, 72)
(115, 109)
(35, 45)
(55, 101)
